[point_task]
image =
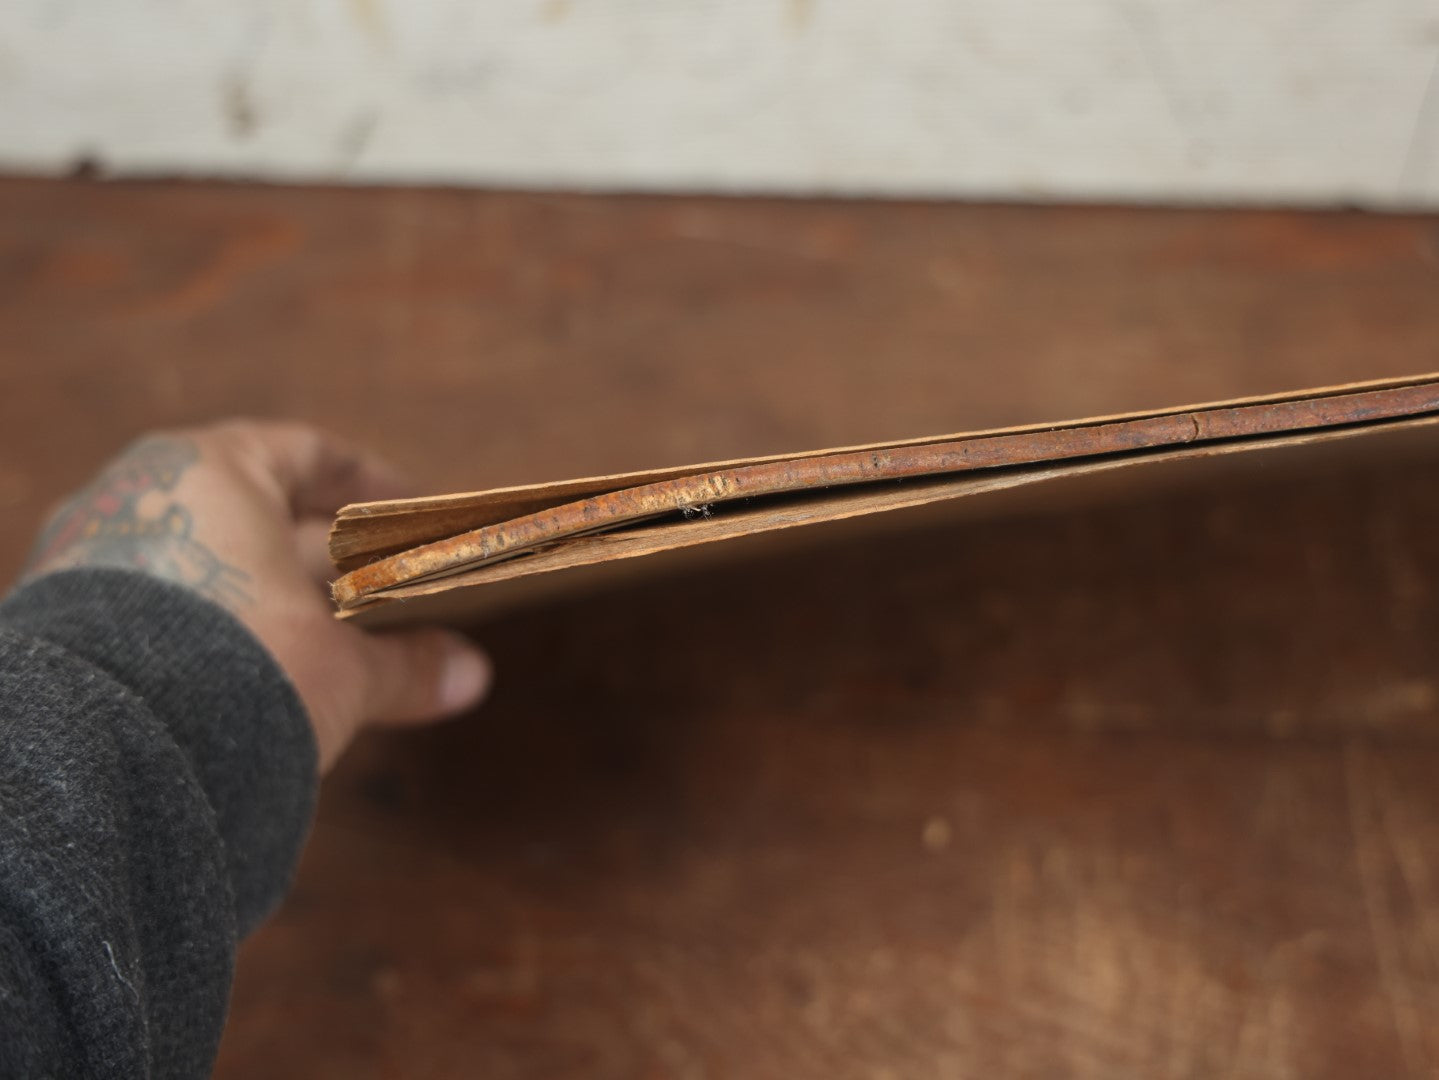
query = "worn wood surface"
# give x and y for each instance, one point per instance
(1140, 790)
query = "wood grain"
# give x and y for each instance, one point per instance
(1120, 792)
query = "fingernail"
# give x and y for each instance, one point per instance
(465, 676)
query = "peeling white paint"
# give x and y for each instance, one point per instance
(1257, 101)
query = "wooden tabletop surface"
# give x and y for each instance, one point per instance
(1129, 791)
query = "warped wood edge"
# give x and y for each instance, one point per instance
(910, 461)
(609, 560)
(363, 532)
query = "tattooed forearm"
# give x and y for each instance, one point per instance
(128, 517)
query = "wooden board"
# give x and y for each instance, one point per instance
(832, 484)
(1133, 789)
(675, 550)
(363, 532)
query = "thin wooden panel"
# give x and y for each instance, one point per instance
(826, 477)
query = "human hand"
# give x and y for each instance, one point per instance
(240, 512)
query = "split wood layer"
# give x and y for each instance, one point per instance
(556, 515)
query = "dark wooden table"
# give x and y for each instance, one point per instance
(1138, 790)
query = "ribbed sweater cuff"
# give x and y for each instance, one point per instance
(224, 699)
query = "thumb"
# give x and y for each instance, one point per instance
(419, 675)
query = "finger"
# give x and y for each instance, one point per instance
(420, 675)
(312, 541)
(318, 472)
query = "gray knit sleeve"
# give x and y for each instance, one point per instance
(157, 778)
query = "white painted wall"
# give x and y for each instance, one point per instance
(1308, 101)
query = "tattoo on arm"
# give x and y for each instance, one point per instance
(105, 525)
